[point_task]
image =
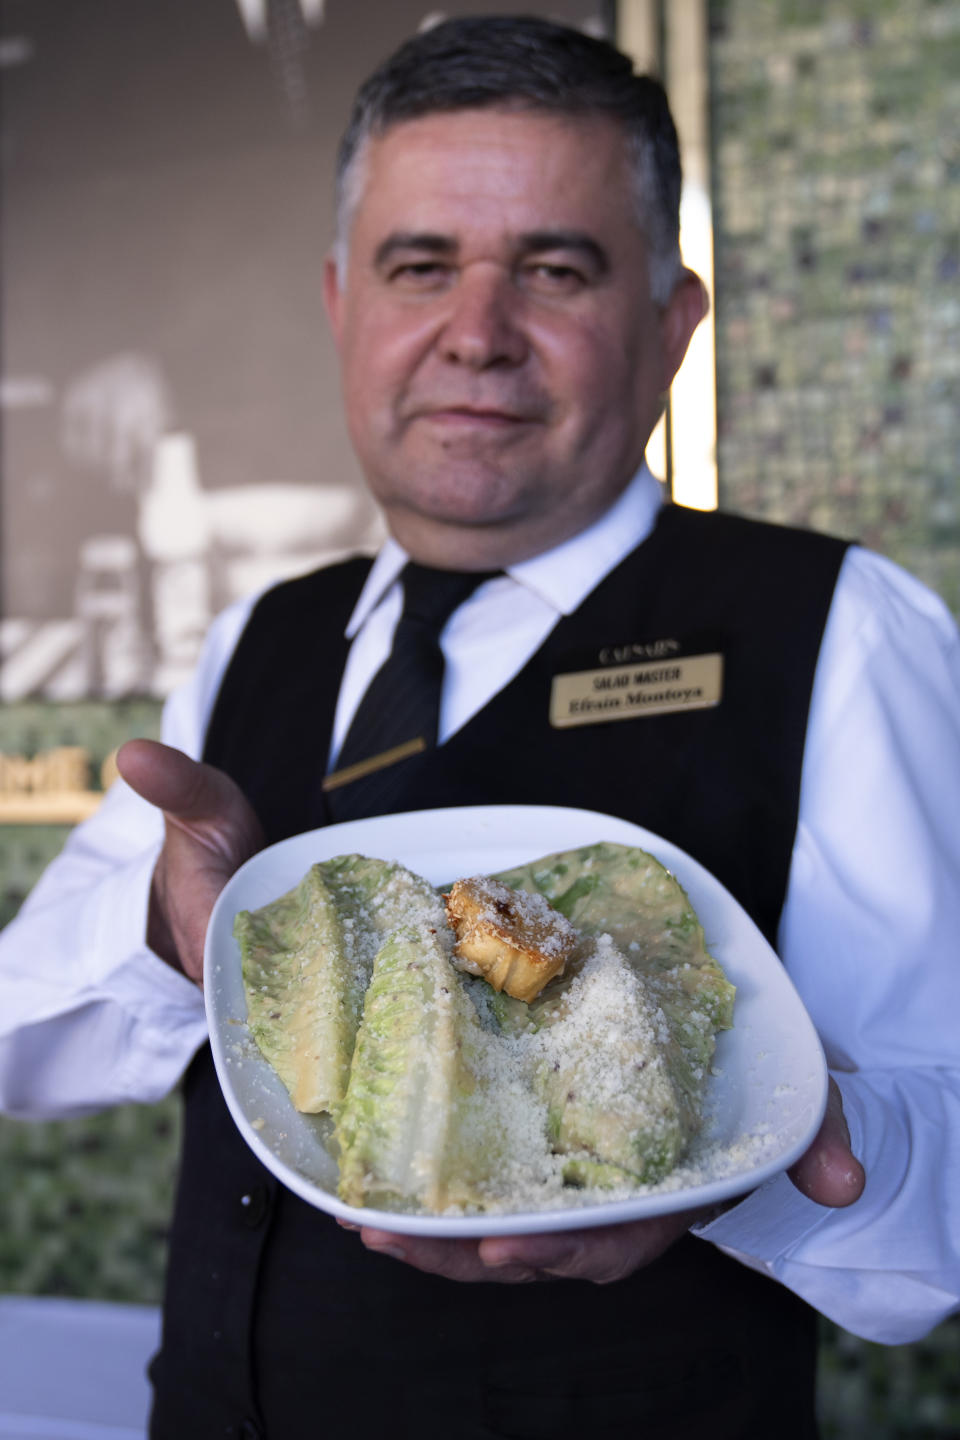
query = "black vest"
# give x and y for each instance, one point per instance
(277, 1320)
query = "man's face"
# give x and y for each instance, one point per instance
(503, 363)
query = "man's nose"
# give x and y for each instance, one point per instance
(484, 326)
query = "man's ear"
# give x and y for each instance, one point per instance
(687, 306)
(333, 297)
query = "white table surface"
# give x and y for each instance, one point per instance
(74, 1369)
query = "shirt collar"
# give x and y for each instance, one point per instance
(563, 576)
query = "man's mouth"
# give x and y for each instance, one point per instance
(465, 417)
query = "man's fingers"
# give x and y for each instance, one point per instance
(601, 1255)
(829, 1172)
(165, 777)
(199, 802)
(173, 782)
(453, 1259)
(210, 830)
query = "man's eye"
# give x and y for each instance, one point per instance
(555, 279)
(419, 274)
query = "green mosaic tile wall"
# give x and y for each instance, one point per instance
(836, 132)
(31, 727)
(836, 137)
(86, 1203)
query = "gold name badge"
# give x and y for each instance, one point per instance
(622, 692)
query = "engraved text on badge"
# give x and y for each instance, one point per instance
(622, 692)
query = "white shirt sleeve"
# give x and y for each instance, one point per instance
(89, 1016)
(869, 936)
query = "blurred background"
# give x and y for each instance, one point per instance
(171, 434)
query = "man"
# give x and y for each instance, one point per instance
(509, 306)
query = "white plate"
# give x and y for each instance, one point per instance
(765, 1100)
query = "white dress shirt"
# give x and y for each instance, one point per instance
(89, 1017)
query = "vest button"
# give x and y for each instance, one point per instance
(253, 1208)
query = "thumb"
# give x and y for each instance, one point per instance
(173, 782)
(829, 1172)
(210, 828)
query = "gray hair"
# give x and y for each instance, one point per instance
(523, 63)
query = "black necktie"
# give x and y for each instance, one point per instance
(399, 714)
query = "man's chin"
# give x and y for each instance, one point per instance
(472, 495)
(460, 535)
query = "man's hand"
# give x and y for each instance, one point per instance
(609, 1252)
(828, 1173)
(210, 830)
